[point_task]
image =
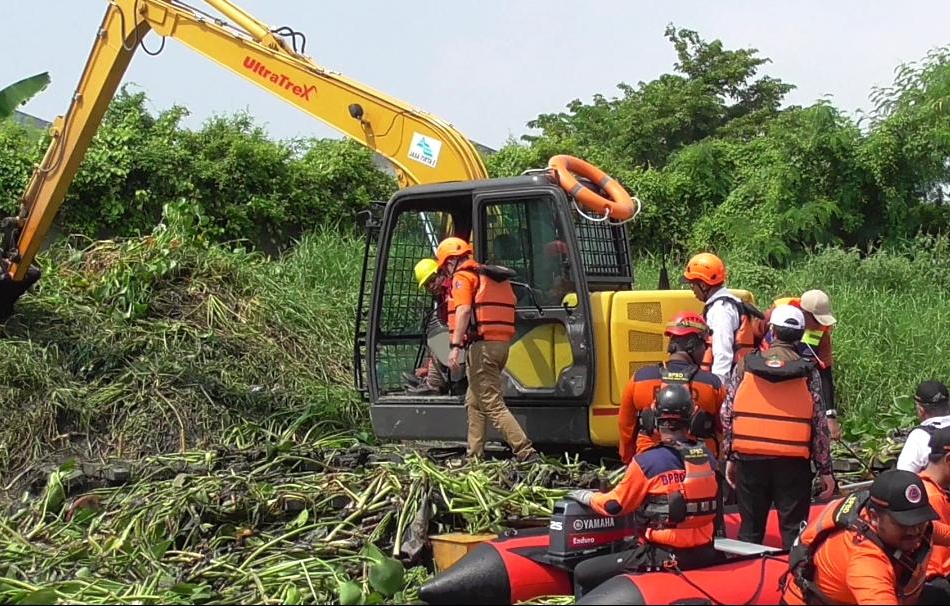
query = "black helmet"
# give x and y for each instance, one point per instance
(674, 403)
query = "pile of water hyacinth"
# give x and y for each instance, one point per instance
(320, 520)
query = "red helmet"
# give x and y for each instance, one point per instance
(686, 323)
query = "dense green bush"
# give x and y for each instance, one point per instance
(169, 341)
(267, 192)
(20, 148)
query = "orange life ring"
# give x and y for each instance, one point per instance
(618, 205)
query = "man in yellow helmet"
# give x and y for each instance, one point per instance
(431, 379)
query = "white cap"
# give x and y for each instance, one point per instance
(788, 316)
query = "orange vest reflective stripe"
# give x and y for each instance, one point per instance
(746, 338)
(698, 492)
(493, 305)
(773, 408)
(844, 515)
(495, 309)
(700, 489)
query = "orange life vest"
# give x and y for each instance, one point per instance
(687, 505)
(747, 337)
(773, 408)
(842, 515)
(493, 313)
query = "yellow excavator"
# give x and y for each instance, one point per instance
(581, 328)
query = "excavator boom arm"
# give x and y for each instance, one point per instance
(423, 148)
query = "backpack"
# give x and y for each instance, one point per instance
(748, 337)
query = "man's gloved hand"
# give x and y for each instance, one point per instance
(581, 496)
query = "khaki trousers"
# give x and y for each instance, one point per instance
(484, 400)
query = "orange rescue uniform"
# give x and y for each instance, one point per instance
(746, 338)
(493, 303)
(652, 477)
(853, 569)
(773, 409)
(940, 557)
(639, 393)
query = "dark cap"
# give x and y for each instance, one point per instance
(940, 441)
(902, 494)
(932, 393)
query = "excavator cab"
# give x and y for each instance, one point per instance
(527, 224)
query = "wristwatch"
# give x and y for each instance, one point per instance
(831, 414)
(455, 346)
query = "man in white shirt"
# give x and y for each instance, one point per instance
(706, 275)
(933, 409)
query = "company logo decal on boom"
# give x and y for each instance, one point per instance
(425, 150)
(282, 80)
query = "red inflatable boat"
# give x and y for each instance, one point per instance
(512, 568)
(746, 580)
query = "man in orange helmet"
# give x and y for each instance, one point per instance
(482, 322)
(736, 327)
(687, 332)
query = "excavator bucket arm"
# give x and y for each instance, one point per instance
(423, 148)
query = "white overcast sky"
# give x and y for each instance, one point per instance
(490, 66)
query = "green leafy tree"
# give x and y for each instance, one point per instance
(907, 150)
(21, 147)
(713, 90)
(720, 165)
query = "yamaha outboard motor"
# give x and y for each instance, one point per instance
(577, 533)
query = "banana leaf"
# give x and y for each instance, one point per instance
(20, 92)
